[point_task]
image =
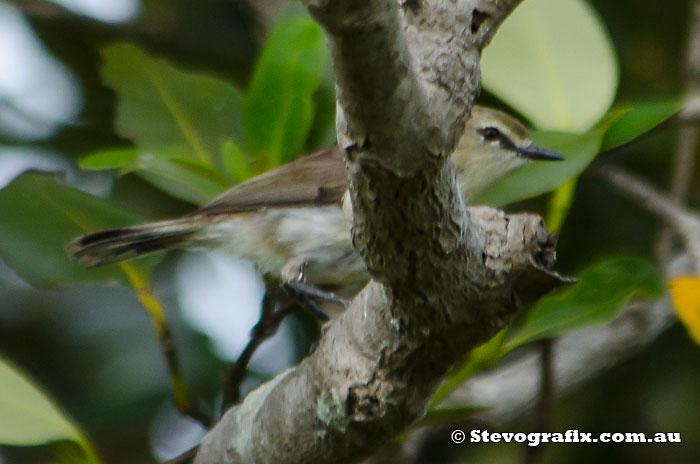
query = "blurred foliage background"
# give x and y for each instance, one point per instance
(139, 110)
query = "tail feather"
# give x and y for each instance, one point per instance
(113, 245)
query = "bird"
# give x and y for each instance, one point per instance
(290, 221)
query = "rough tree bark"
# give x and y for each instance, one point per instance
(445, 278)
(584, 354)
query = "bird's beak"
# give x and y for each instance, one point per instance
(534, 152)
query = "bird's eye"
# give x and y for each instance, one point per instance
(490, 134)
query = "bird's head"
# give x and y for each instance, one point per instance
(493, 144)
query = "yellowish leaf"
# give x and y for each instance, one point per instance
(685, 295)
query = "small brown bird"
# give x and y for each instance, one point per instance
(290, 219)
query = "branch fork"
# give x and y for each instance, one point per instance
(445, 277)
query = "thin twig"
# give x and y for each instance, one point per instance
(271, 316)
(273, 312)
(685, 222)
(645, 195)
(687, 142)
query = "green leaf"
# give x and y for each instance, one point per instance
(478, 359)
(235, 162)
(183, 181)
(28, 417)
(185, 178)
(322, 134)
(202, 170)
(109, 159)
(539, 177)
(40, 217)
(603, 290)
(633, 121)
(552, 60)
(68, 452)
(170, 112)
(560, 202)
(278, 109)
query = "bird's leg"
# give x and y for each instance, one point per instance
(305, 301)
(302, 288)
(293, 284)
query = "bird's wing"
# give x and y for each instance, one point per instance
(314, 180)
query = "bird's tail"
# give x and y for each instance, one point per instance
(113, 245)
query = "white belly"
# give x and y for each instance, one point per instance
(271, 239)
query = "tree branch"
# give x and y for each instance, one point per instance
(445, 279)
(370, 375)
(406, 75)
(510, 391)
(687, 139)
(683, 220)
